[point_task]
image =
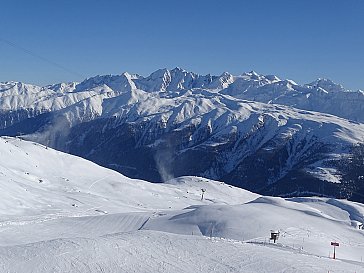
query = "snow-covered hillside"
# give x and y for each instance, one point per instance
(36, 180)
(253, 131)
(61, 213)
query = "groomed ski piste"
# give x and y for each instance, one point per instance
(61, 213)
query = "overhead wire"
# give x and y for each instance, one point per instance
(35, 55)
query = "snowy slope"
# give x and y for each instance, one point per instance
(39, 180)
(61, 213)
(161, 252)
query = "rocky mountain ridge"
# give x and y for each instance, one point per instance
(254, 131)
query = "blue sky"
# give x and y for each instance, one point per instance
(73, 39)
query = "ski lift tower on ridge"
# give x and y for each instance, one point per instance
(274, 235)
(202, 193)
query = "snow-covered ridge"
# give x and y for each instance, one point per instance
(322, 95)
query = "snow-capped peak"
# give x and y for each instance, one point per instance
(62, 87)
(327, 85)
(18, 89)
(272, 78)
(118, 83)
(172, 80)
(222, 81)
(252, 75)
(178, 69)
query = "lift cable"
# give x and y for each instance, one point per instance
(35, 55)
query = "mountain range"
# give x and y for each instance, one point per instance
(253, 131)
